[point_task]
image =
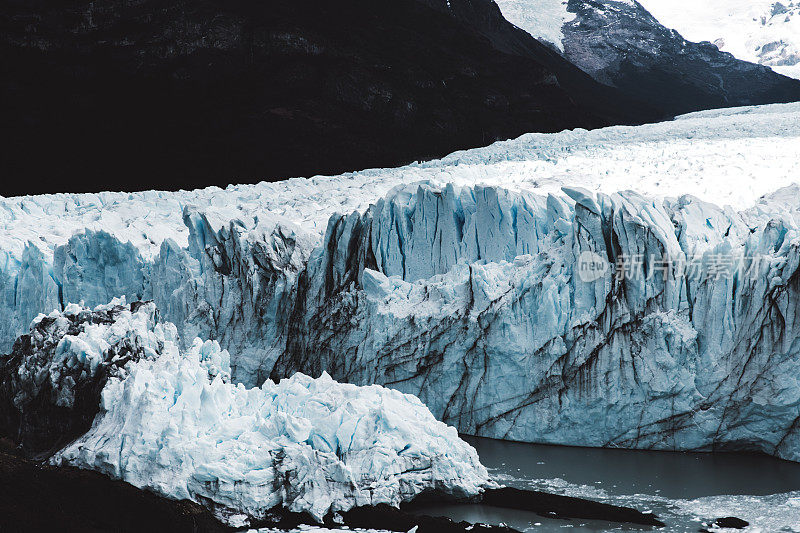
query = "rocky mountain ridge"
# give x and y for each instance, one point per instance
(624, 46)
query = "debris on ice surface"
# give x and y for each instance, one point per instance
(172, 422)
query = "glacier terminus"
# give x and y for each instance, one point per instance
(445, 278)
(318, 345)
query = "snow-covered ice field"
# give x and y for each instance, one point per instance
(730, 156)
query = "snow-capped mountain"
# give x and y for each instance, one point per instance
(761, 31)
(621, 44)
(459, 280)
(209, 90)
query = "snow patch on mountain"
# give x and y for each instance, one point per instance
(760, 31)
(544, 19)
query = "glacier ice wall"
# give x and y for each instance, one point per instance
(233, 282)
(467, 295)
(469, 298)
(94, 267)
(27, 288)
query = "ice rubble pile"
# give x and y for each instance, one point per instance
(172, 422)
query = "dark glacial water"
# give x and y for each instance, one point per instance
(683, 489)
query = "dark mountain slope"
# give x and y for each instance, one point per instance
(136, 94)
(484, 17)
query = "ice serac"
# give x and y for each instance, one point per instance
(234, 283)
(27, 288)
(470, 298)
(94, 267)
(171, 421)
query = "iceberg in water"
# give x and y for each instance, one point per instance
(172, 422)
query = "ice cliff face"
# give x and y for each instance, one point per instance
(170, 420)
(466, 294)
(235, 283)
(471, 299)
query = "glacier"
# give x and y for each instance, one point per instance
(172, 422)
(455, 280)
